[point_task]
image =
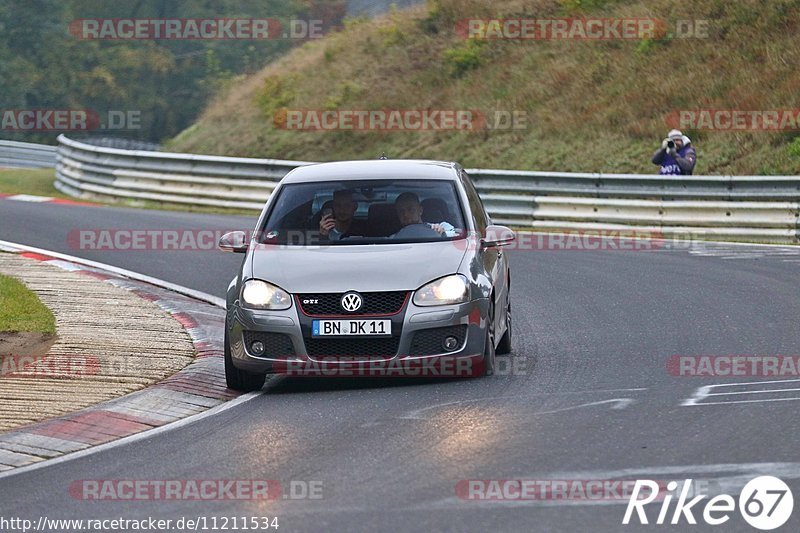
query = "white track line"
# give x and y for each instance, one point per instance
(186, 291)
(621, 402)
(219, 302)
(131, 438)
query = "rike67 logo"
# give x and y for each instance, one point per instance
(765, 503)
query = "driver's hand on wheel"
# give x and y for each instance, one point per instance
(326, 224)
(438, 228)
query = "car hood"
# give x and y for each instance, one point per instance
(383, 267)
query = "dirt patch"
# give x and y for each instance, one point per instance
(31, 344)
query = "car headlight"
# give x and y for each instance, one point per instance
(448, 290)
(262, 295)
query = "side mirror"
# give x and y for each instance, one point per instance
(235, 241)
(497, 236)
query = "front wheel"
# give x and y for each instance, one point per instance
(504, 346)
(488, 350)
(236, 379)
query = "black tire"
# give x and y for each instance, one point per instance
(236, 379)
(504, 346)
(489, 350)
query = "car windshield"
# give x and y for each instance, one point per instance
(348, 212)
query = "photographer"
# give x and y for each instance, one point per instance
(676, 155)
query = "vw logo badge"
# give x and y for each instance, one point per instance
(351, 302)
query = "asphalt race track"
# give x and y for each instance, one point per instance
(589, 397)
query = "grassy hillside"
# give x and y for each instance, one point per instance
(591, 105)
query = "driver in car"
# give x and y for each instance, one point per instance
(409, 211)
(340, 223)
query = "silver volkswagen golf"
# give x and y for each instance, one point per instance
(369, 268)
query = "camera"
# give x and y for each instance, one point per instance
(670, 144)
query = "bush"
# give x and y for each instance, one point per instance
(464, 57)
(794, 148)
(274, 95)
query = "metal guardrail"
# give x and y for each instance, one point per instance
(15, 154)
(228, 182)
(751, 208)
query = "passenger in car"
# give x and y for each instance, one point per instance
(409, 211)
(435, 210)
(341, 222)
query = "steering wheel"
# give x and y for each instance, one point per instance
(416, 231)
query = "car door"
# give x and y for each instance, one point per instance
(494, 260)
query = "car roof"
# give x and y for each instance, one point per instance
(373, 169)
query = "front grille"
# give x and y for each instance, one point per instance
(374, 303)
(374, 347)
(429, 341)
(276, 345)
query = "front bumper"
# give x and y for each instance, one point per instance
(295, 352)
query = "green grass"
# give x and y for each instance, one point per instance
(39, 182)
(592, 106)
(21, 310)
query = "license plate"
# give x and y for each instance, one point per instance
(332, 328)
